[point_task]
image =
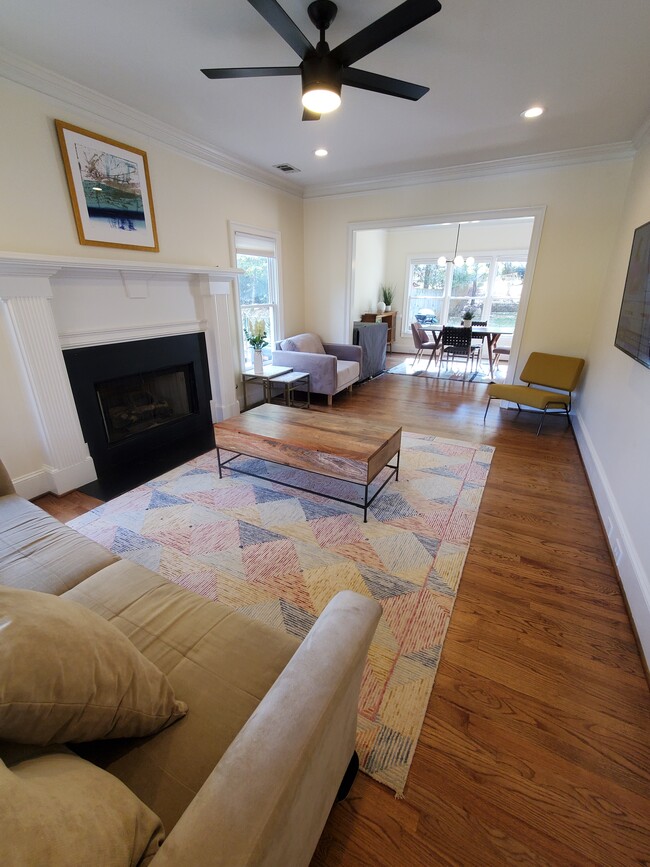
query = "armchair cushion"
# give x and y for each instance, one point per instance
(307, 342)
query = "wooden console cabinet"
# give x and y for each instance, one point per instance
(390, 318)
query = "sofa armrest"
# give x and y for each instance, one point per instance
(6, 485)
(344, 351)
(321, 368)
(266, 802)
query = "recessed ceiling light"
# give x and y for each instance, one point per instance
(320, 152)
(533, 111)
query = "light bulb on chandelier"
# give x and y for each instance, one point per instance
(457, 259)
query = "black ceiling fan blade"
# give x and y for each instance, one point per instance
(275, 15)
(383, 84)
(251, 71)
(310, 115)
(385, 29)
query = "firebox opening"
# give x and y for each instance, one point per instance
(133, 404)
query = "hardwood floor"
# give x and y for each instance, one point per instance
(536, 746)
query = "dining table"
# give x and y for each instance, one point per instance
(489, 333)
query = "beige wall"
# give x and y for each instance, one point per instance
(193, 204)
(614, 418)
(583, 209)
(370, 259)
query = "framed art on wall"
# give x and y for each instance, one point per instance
(110, 190)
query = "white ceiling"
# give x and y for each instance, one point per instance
(485, 61)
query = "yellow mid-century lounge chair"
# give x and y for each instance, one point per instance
(542, 372)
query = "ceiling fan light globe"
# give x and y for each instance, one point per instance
(458, 260)
(470, 261)
(442, 261)
(321, 101)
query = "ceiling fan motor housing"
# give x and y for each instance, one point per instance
(321, 73)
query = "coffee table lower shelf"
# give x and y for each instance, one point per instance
(365, 505)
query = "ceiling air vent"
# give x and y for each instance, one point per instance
(286, 168)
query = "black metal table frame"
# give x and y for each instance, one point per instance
(366, 502)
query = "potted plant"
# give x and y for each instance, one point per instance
(255, 332)
(468, 314)
(387, 294)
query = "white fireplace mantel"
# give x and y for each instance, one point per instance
(33, 265)
(27, 285)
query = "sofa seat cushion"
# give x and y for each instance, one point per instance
(68, 675)
(537, 397)
(219, 661)
(347, 372)
(59, 810)
(303, 343)
(39, 553)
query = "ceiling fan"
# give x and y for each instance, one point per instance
(323, 70)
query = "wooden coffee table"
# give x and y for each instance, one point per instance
(339, 446)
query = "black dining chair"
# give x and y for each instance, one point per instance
(457, 343)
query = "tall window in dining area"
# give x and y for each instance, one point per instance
(490, 287)
(257, 256)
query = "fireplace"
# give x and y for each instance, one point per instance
(131, 405)
(144, 407)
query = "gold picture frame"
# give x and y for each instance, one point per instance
(110, 190)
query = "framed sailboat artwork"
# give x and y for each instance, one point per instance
(110, 190)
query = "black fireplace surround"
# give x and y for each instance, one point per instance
(144, 407)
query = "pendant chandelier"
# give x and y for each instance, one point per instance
(457, 260)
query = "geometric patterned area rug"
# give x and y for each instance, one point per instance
(455, 372)
(280, 555)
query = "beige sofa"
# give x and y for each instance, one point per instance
(248, 776)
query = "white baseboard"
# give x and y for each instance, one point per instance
(55, 481)
(73, 477)
(634, 578)
(32, 484)
(220, 412)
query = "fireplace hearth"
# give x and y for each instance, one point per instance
(144, 407)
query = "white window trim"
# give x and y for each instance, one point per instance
(274, 236)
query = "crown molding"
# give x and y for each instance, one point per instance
(37, 78)
(23, 72)
(534, 162)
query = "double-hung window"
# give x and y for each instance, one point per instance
(257, 256)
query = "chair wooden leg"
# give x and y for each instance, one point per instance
(329, 399)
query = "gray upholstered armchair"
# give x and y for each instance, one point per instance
(331, 366)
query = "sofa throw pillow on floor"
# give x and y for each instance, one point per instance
(66, 674)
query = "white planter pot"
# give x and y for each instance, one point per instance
(467, 323)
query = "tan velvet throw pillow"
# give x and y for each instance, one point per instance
(66, 674)
(307, 342)
(60, 810)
